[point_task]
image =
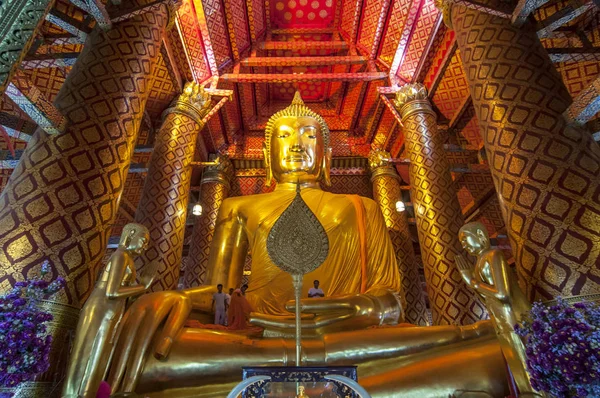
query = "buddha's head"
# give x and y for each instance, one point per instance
(296, 147)
(474, 238)
(135, 238)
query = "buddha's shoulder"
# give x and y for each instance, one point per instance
(368, 203)
(235, 202)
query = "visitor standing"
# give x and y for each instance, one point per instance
(315, 291)
(219, 305)
(239, 311)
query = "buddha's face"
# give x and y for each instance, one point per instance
(473, 241)
(138, 242)
(296, 146)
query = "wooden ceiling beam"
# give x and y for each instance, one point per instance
(302, 45)
(523, 9)
(77, 28)
(407, 32)
(34, 103)
(379, 27)
(392, 108)
(56, 60)
(474, 5)
(563, 16)
(60, 39)
(352, 36)
(428, 47)
(574, 54)
(96, 9)
(442, 70)
(375, 121)
(586, 105)
(303, 31)
(303, 61)
(465, 104)
(16, 127)
(473, 210)
(169, 58)
(302, 77)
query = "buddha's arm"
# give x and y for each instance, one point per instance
(382, 272)
(228, 251)
(500, 286)
(114, 289)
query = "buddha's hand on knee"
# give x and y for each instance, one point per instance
(139, 326)
(201, 297)
(333, 314)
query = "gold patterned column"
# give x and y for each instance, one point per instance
(214, 189)
(386, 192)
(61, 200)
(437, 211)
(164, 202)
(545, 172)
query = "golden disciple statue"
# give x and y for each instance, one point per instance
(495, 282)
(301, 393)
(159, 357)
(102, 312)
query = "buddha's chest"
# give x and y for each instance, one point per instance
(334, 214)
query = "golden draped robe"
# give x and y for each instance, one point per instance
(361, 256)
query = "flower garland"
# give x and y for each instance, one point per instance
(24, 341)
(563, 348)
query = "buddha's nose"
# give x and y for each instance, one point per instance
(297, 148)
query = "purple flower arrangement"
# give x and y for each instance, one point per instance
(24, 340)
(563, 348)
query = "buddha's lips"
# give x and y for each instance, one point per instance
(296, 158)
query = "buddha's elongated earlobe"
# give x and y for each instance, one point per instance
(326, 168)
(268, 170)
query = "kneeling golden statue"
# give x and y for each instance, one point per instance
(158, 357)
(507, 305)
(99, 319)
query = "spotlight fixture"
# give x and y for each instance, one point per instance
(197, 209)
(400, 206)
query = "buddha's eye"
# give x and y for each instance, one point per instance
(283, 134)
(310, 132)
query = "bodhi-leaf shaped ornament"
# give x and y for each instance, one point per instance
(297, 242)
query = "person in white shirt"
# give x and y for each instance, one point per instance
(315, 291)
(219, 306)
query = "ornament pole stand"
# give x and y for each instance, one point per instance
(297, 280)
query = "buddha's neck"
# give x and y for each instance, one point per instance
(288, 185)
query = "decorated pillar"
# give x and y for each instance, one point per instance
(545, 171)
(214, 189)
(60, 201)
(437, 211)
(386, 192)
(164, 202)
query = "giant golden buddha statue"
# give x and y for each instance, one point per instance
(355, 324)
